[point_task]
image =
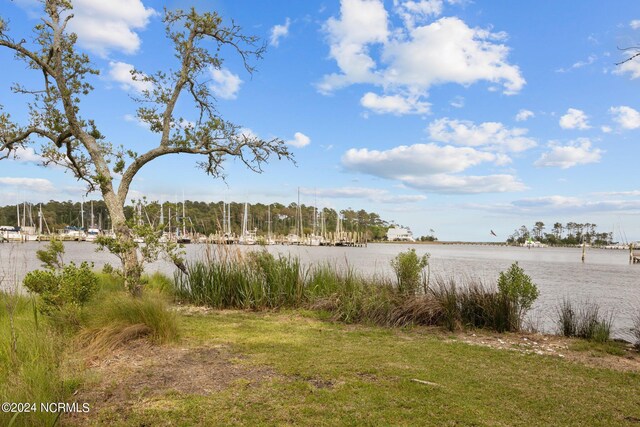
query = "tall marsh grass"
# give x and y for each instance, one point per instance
(583, 321)
(231, 279)
(30, 360)
(258, 280)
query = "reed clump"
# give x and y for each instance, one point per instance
(635, 329)
(585, 321)
(231, 279)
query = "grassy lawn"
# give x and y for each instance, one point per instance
(293, 368)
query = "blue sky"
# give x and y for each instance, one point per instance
(450, 115)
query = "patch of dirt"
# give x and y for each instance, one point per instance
(551, 345)
(141, 371)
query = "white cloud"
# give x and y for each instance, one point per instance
(490, 135)
(26, 155)
(39, 185)
(635, 24)
(418, 159)
(299, 140)
(457, 102)
(562, 204)
(362, 22)
(420, 11)
(578, 152)
(412, 59)
(590, 60)
(574, 119)
(606, 129)
(455, 184)
(524, 115)
(626, 117)
(430, 167)
(278, 32)
(631, 67)
(121, 73)
(373, 194)
(104, 26)
(248, 133)
(448, 51)
(394, 104)
(226, 84)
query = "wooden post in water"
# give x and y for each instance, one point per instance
(584, 247)
(631, 253)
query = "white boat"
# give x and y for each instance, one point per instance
(247, 237)
(73, 233)
(10, 234)
(92, 234)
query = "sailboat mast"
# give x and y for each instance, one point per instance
(244, 219)
(269, 223)
(184, 225)
(40, 219)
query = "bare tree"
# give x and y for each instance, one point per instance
(65, 137)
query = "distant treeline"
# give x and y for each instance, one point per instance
(200, 217)
(571, 233)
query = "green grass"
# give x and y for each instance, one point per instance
(335, 374)
(31, 365)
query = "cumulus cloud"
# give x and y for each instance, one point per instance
(39, 185)
(415, 57)
(430, 167)
(630, 67)
(635, 24)
(626, 117)
(373, 194)
(606, 129)
(419, 12)
(299, 140)
(574, 119)
(394, 104)
(578, 152)
(524, 115)
(225, 84)
(278, 32)
(104, 26)
(121, 72)
(490, 135)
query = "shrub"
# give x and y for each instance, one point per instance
(63, 288)
(518, 294)
(409, 269)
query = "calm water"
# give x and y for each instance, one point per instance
(606, 277)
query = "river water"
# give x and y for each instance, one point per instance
(606, 277)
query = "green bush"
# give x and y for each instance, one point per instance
(58, 289)
(517, 293)
(409, 269)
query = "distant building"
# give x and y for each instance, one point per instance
(400, 234)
